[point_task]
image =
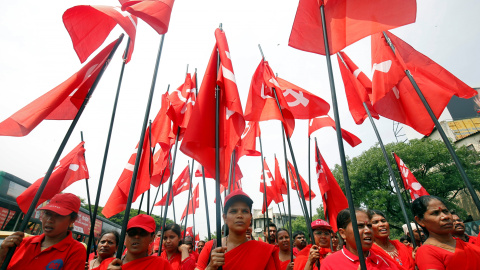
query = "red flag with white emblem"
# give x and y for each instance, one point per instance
(415, 189)
(346, 22)
(187, 232)
(60, 103)
(248, 141)
(179, 186)
(89, 27)
(393, 95)
(155, 13)
(199, 139)
(326, 121)
(72, 168)
(194, 203)
(294, 183)
(117, 202)
(272, 192)
(182, 101)
(282, 187)
(357, 89)
(333, 198)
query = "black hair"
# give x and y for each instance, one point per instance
(282, 230)
(297, 233)
(115, 233)
(404, 237)
(201, 241)
(343, 218)
(376, 212)
(419, 207)
(270, 224)
(73, 216)
(174, 228)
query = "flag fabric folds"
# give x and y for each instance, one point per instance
(89, 26)
(272, 194)
(347, 22)
(199, 139)
(318, 123)
(415, 189)
(182, 101)
(282, 187)
(393, 95)
(180, 185)
(248, 141)
(294, 183)
(192, 204)
(72, 168)
(358, 87)
(333, 198)
(117, 202)
(60, 103)
(155, 13)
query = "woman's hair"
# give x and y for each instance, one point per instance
(174, 228)
(343, 218)
(419, 207)
(282, 230)
(115, 233)
(376, 212)
(404, 237)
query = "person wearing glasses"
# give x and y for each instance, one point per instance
(307, 258)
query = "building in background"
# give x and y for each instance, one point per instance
(259, 220)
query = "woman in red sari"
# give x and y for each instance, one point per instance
(176, 253)
(284, 254)
(394, 251)
(440, 250)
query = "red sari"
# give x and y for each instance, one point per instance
(404, 260)
(149, 262)
(177, 263)
(284, 264)
(249, 255)
(466, 257)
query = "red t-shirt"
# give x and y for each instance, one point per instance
(177, 263)
(65, 255)
(145, 263)
(345, 260)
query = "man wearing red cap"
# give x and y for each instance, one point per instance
(307, 258)
(236, 251)
(55, 248)
(140, 233)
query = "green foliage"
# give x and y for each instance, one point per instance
(428, 160)
(298, 224)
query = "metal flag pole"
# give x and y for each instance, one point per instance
(455, 158)
(265, 224)
(217, 158)
(341, 149)
(288, 194)
(189, 192)
(309, 180)
(139, 153)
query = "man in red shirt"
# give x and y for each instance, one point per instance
(459, 230)
(299, 242)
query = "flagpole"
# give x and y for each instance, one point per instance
(264, 192)
(392, 175)
(206, 204)
(140, 206)
(288, 194)
(139, 154)
(296, 189)
(161, 179)
(35, 200)
(150, 164)
(169, 192)
(341, 149)
(189, 192)
(230, 171)
(234, 153)
(309, 180)
(463, 174)
(217, 156)
(107, 146)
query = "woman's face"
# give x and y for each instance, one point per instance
(238, 217)
(364, 229)
(55, 225)
(437, 219)
(322, 237)
(138, 240)
(283, 240)
(107, 245)
(171, 240)
(380, 227)
(334, 240)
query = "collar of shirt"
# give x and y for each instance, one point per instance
(371, 257)
(60, 246)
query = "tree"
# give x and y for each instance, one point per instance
(428, 160)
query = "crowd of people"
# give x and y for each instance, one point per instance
(439, 233)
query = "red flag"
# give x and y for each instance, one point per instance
(60, 103)
(294, 183)
(248, 143)
(347, 22)
(72, 168)
(393, 95)
(117, 202)
(282, 187)
(272, 193)
(333, 198)
(192, 204)
(199, 139)
(180, 185)
(357, 89)
(189, 232)
(261, 104)
(302, 104)
(327, 121)
(155, 13)
(415, 189)
(182, 101)
(89, 26)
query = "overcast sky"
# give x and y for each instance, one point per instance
(37, 55)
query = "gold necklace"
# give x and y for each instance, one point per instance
(393, 253)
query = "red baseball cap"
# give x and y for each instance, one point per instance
(235, 196)
(320, 224)
(63, 204)
(142, 221)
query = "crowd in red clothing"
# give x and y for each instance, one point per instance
(446, 245)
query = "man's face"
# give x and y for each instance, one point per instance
(300, 241)
(458, 225)
(272, 234)
(200, 246)
(249, 233)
